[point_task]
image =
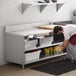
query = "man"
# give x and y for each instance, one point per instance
(67, 31)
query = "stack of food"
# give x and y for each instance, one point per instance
(48, 51)
(53, 50)
(57, 49)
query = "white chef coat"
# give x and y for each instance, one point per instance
(69, 30)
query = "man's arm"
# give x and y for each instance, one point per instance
(65, 43)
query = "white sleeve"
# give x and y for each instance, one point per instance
(69, 30)
(66, 35)
(66, 32)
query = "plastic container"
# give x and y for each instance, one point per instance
(30, 44)
(32, 56)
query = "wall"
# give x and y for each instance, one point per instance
(10, 14)
(65, 12)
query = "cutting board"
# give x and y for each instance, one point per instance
(48, 27)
